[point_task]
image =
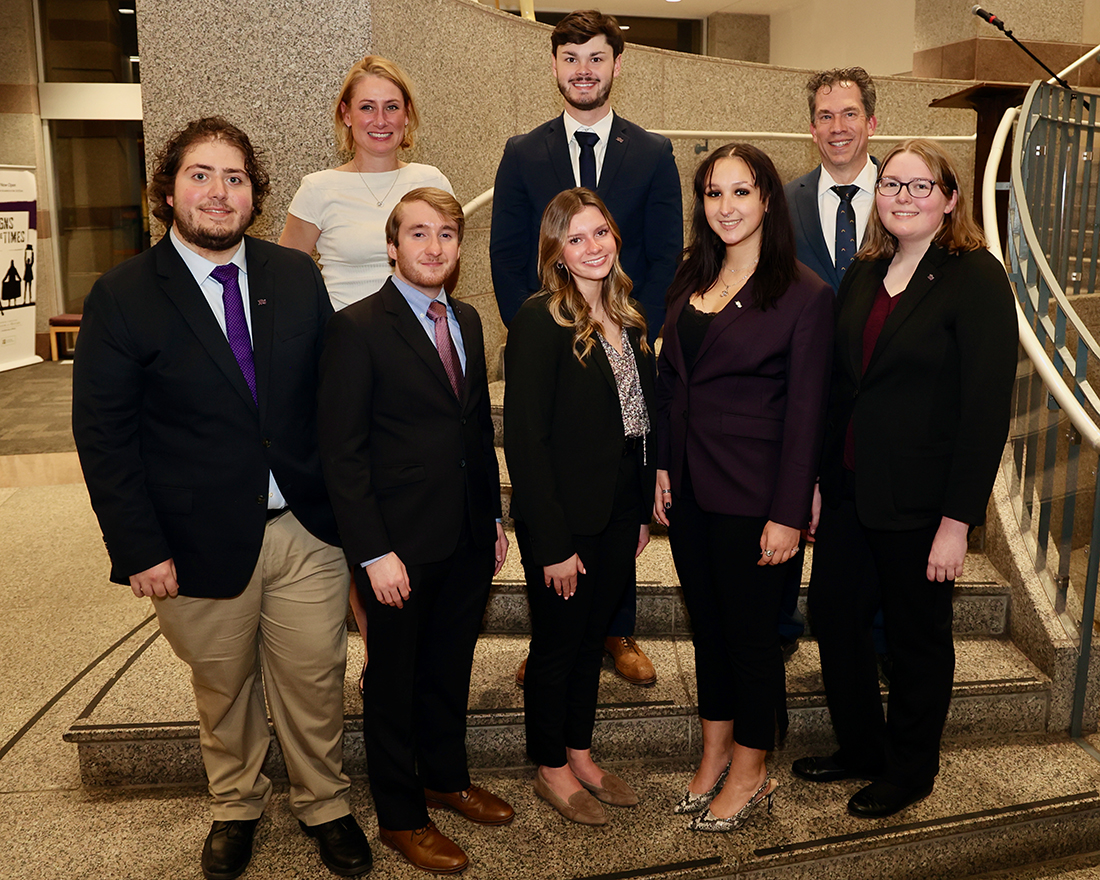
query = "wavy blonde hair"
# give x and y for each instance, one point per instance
(567, 306)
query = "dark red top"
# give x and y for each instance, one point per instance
(881, 308)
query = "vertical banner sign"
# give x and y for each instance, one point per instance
(18, 256)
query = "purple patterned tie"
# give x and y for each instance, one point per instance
(236, 327)
(446, 347)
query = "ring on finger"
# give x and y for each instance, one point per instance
(769, 553)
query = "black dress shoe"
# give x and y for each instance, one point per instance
(826, 769)
(880, 799)
(343, 845)
(228, 849)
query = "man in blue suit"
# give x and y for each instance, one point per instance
(842, 119)
(635, 174)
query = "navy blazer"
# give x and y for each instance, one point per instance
(175, 452)
(809, 240)
(407, 463)
(931, 412)
(750, 416)
(563, 433)
(639, 184)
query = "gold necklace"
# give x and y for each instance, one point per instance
(379, 201)
(740, 281)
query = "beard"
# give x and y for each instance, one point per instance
(216, 239)
(593, 101)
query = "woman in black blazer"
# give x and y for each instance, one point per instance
(576, 434)
(741, 389)
(926, 351)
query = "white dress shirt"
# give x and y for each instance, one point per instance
(828, 201)
(602, 128)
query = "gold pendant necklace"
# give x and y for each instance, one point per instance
(379, 201)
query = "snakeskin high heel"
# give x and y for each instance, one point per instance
(696, 803)
(707, 821)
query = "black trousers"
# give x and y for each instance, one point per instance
(733, 603)
(904, 746)
(562, 680)
(417, 682)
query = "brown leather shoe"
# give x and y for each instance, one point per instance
(612, 790)
(427, 849)
(476, 804)
(630, 662)
(521, 672)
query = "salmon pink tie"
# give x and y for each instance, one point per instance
(446, 347)
(236, 327)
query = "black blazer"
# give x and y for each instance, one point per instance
(750, 416)
(639, 184)
(931, 413)
(407, 464)
(175, 452)
(806, 219)
(563, 433)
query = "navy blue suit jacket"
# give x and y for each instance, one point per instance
(812, 248)
(639, 184)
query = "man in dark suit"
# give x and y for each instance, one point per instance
(406, 441)
(635, 174)
(193, 412)
(824, 201)
(829, 210)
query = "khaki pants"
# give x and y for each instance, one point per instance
(288, 626)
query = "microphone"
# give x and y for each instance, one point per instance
(987, 17)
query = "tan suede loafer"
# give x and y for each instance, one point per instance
(612, 790)
(581, 806)
(630, 662)
(427, 849)
(476, 804)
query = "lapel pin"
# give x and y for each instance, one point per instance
(263, 302)
(620, 140)
(931, 277)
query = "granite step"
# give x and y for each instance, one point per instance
(142, 730)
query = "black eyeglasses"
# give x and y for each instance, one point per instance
(918, 187)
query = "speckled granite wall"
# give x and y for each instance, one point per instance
(482, 76)
(737, 36)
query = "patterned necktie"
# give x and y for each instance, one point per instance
(588, 141)
(236, 327)
(846, 245)
(446, 347)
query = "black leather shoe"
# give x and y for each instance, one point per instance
(826, 769)
(880, 799)
(228, 849)
(343, 845)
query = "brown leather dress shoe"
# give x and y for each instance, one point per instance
(476, 804)
(521, 672)
(630, 662)
(427, 849)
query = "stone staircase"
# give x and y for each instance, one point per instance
(1011, 792)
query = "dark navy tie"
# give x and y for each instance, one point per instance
(236, 327)
(588, 141)
(846, 245)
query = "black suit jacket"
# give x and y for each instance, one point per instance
(406, 461)
(563, 433)
(750, 416)
(931, 412)
(809, 239)
(639, 184)
(175, 452)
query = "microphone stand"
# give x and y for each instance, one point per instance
(1065, 85)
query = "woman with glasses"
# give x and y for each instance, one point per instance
(742, 383)
(924, 364)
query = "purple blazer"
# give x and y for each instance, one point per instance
(750, 417)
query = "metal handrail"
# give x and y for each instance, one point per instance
(802, 136)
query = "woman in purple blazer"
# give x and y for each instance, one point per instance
(741, 394)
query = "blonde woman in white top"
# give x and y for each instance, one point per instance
(341, 212)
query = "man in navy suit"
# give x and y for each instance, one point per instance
(635, 174)
(842, 118)
(194, 401)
